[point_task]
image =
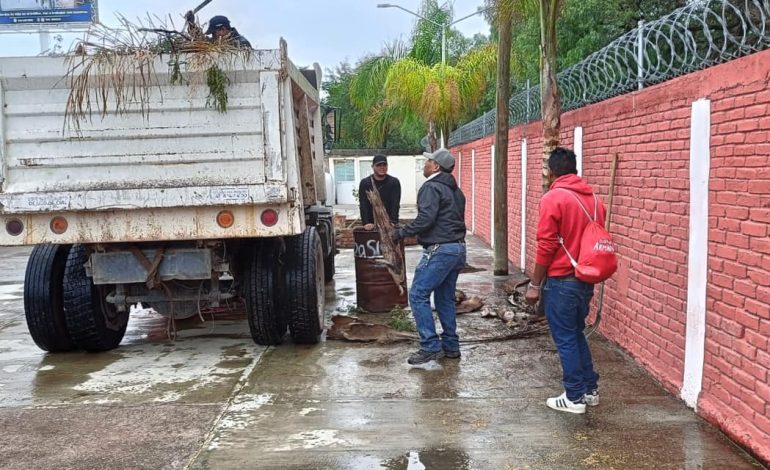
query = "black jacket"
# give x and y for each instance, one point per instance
(237, 40)
(390, 193)
(440, 212)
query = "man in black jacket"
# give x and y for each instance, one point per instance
(389, 188)
(220, 30)
(440, 229)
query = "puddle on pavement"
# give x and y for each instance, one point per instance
(11, 292)
(427, 459)
(153, 368)
(315, 439)
(238, 417)
(205, 358)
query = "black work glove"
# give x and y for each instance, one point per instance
(395, 235)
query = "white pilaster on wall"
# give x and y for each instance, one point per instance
(523, 205)
(578, 140)
(492, 197)
(695, 336)
(473, 191)
(459, 168)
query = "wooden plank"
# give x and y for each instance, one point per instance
(307, 170)
(318, 146)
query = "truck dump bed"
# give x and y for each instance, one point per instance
(171, 160)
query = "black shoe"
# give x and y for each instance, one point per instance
(452, 354)
(421, 357)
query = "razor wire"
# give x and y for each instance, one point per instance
(702, 34)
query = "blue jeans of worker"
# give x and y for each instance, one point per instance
(567, 302)
(437, 272)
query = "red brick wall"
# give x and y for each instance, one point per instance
(645, 303)
(483, 190)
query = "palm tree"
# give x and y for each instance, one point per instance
(440, 94)
(367, 93)
(421, 92)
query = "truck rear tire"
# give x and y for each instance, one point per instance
(263, 290)
(305, 286)
(93, 324)
(43, 298)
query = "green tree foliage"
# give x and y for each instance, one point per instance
(388, 121)
(336, 87)
(584, 26)
(440, 94)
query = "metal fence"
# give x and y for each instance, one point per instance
(700, 35)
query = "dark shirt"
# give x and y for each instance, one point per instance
(238, 40)
(390, 193)
(234, 39)
(440, 212)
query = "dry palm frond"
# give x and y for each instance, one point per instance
(391, 252)
(113, 70)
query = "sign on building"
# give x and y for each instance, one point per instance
(53, 14)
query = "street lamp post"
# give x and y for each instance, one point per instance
(443, 26)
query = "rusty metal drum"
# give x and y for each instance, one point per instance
(376, 291)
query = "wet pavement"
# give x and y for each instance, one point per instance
(213, 399)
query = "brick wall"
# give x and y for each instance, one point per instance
(645, 304)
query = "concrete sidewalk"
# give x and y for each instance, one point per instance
(356, 406)
(213, 399)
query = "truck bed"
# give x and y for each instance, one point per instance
(178, 153)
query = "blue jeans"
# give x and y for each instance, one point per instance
(567, 302)
(437, 272)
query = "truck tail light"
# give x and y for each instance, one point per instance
(269, 217)
(14, 227)
(225, 219)
(59, 225)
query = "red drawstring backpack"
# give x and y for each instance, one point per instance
(597, 261)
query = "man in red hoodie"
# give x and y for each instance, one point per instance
(565, 211)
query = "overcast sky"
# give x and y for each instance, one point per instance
(327, 31)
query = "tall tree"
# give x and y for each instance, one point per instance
(549, 86)
(504, 12)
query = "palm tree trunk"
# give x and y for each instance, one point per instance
(500, 196)
(432, 139)
(445, 133)
(549, 87)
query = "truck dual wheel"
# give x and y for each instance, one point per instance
(305, 286)
(43, 298)
(263, 291)
(93, 324)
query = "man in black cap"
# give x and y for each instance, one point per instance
(389, 188)
(220, 30)
(440, 229)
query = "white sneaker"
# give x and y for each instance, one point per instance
(592, 398)
(562, 403)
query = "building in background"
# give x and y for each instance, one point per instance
(348, 167)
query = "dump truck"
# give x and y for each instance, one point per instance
(170, 202)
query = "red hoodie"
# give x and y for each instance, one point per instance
(560, 214)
